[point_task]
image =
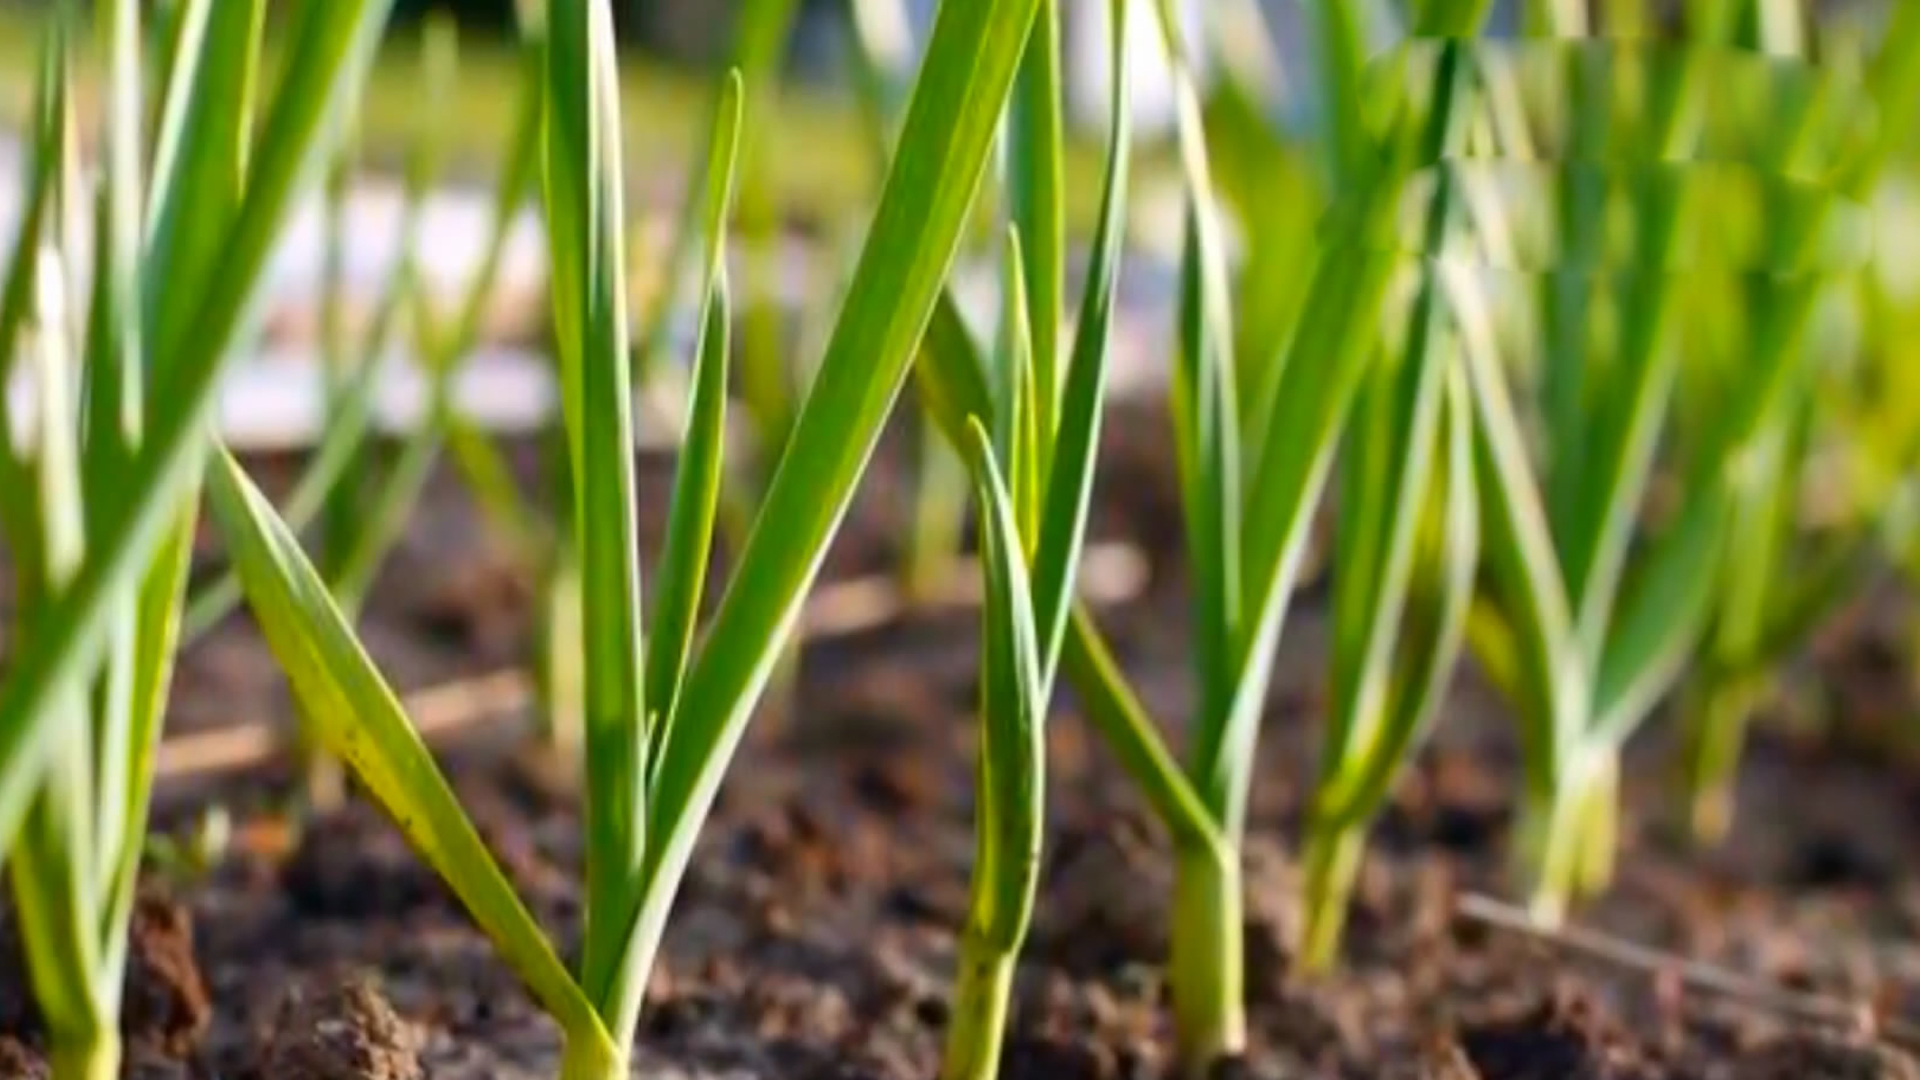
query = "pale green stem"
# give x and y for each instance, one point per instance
(1207, 960)
(982, 995)
(561, 654)
(1333, 856)
(323, 782)
(95, 1057)
(1566, 838)
(591, 1059)
(323, 778)
(1548, 840)
(1716, 733)
(1600, 828)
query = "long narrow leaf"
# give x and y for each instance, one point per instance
(18, 517)
(942, 156)
(1519, 543)
(1036, 190)
(1013, 712)
(1075, 444)
(333, 44)
(586, 233)
(696, 485)
(358, 717)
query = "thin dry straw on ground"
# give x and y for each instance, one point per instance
(1112, 574)
(1696, 975)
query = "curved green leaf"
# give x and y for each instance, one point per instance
(356, 715)
(943, 154)
(696, 485)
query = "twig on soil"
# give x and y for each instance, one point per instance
(1698, 975)
(1110, 574)
(436, 711)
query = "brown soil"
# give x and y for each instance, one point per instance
(815, 935)
(344, 1030)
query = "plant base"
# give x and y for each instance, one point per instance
(1207, 961)
(1716, 735)
(97, 1058)
(324, 782)
(1570, 839)
(591, 1059)
(562, 679)
(982, 994)
(1333, 858)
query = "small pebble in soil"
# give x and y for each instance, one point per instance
(342, 1030)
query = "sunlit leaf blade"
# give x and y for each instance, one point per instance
(950, 374)
(19, 519)
(1036, 192)
(383, 519)
(201, 153)
(1075, 444)
(943, 153)
(1342, 54)
(375, 527)
(1010, 801)
(328, 465)
(330, 48)
(1012, 712)
(1661, 618)
(1013, 389)
(586, 236)
(1391, 468)
(51, 899)
(1519, 545)
(1117, 713)
(157, 615)
(1207, 444)
(1444, 587)
(1312, 399)
(696, 485)
(1264, 179)
(767, 376)
(1377, 725)
(48, 864)
(952, 380)
(1619, 466)
(362, 527)
(1429, 629)
(357, 716)
(114, 355)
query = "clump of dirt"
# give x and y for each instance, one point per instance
(344, 1030)
(166, 1003)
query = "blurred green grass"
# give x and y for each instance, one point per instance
(820, 154)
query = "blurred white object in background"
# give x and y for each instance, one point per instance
(1090, 68)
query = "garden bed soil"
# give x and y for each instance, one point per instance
(814, 937)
